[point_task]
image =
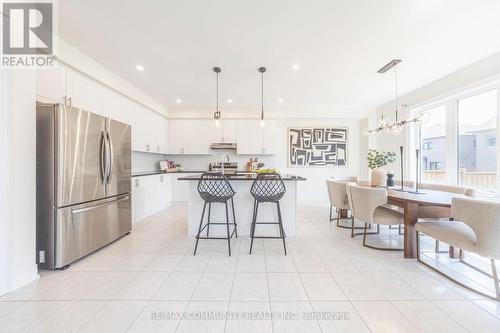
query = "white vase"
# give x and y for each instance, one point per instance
(379, 177)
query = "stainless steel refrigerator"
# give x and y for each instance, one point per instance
(83, 183)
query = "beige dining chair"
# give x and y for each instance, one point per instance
(397, 185)
(331, 195)
(449, 188)
(470, 192)
(340, 201)
(475, 228)
(367, 205)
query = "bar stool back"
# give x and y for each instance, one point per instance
(215, 188)
(267, 187)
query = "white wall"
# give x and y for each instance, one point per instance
(17, 192)
(146, 162)
(315, 187)
(4, 179)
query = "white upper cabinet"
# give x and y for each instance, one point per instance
(111, 104)
(189, 136)
(244, 136)
(51, 84)
(127, 109)
(83, 92)
(253, 139)
(225, 132)
(149, 131)
(180, 136)
(203, 136)
(160, 144)
(270, 137)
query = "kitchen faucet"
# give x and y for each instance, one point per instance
(225, 156)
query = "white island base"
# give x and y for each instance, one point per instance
(243, 207)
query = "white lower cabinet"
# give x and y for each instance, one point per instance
(180, 188)
(150, 194)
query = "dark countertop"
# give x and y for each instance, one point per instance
(158, 172)
(247, 177)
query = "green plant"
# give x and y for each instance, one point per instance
(377, 159)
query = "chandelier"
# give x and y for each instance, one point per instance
(394, 126)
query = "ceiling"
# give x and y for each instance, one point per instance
(339, 46)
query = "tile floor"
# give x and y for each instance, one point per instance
(149, 281)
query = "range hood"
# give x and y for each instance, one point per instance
(223, 145)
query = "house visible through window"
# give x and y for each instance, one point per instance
(467, 157)
(477, 122)
(434, 144)
(435, 166)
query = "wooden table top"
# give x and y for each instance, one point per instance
(425, 198)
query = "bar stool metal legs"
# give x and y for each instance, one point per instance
(268, 187)
(282, 234)
(215, 188)
(229, 234)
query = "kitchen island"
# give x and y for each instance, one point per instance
(243, 206)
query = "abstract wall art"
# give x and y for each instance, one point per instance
(317, 147)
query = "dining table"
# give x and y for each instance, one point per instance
(425, 203)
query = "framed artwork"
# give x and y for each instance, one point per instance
(317, 147)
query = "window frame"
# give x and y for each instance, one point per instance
(450, 102)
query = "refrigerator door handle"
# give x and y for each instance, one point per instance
(110, 158)
(102, 157)
(81, 210)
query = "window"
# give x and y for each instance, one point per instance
(459, 141)
(435, 166)
(477, 122)
(427, 145)
(433, 141)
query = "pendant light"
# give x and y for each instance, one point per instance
(217, 70)
(394, 127)
(262, 70)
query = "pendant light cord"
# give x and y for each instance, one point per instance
(262, 96)
(217, 91)
(397, 95)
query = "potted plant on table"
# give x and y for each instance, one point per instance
(377, 160)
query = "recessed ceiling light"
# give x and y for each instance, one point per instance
(229, 100)
(178, 101)
(280, 100)
(140, 68)
(295, 67)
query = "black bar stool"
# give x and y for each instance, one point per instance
(267, 187)
(215, 188)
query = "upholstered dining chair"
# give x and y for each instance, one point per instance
(367, 205)
(449, 188)
(475, 228)
(331, 194)
(397, 185)
(470, 192)
(340, 201)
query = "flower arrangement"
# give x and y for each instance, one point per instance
(377, 159)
